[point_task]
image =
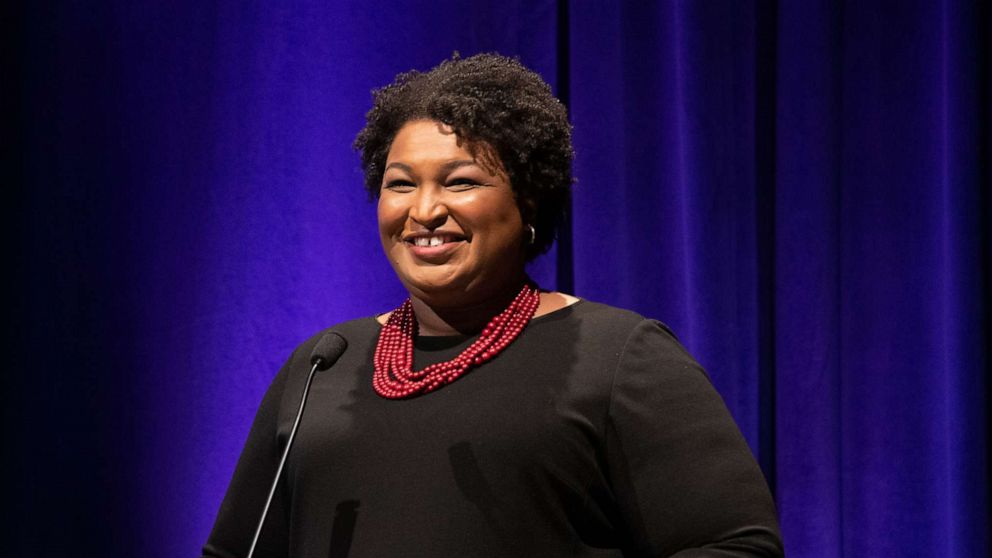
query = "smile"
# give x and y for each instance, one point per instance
(427, 239)
(433, 248)
(432, 240)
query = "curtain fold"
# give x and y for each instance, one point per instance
(830, 242)
(800, 190)
(665, 212)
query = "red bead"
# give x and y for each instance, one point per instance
(393, 377)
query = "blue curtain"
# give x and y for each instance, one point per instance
(801, 190)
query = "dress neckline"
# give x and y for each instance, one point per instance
(437, 342)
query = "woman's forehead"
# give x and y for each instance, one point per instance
(429, 142)
(426, 140)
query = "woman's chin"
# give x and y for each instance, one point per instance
(436, 286)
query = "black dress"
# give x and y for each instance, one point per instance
(593, 434)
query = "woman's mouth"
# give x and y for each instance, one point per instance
(432, 241)
(433, 248)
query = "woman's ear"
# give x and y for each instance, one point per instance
(528, 210)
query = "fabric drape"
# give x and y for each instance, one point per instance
(800, 190)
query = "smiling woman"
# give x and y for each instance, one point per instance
(450, 226)
(484, 416)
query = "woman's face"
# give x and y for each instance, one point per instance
(449, 225)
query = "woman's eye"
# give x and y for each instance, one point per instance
(460, 184)
(399, 185)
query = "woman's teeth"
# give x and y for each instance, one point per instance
(429, 241)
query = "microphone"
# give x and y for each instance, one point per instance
(327, 351)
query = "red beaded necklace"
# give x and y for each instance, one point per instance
(394, 377)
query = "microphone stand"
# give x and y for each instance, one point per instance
(285, 454)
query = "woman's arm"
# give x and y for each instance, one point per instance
(685, 480)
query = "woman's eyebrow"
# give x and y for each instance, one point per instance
(452, 165)
(446, 168)
(400, 166)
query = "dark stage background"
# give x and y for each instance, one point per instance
(800, 189)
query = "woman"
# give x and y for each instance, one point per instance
(484, 417)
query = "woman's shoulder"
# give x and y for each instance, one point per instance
(602, 326)
(356, 331)
(613, 318)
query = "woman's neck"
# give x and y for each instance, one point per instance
(464, 319)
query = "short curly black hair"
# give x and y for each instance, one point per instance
(493, 101)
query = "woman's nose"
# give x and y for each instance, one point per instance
(428, 208)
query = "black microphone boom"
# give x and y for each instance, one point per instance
(327, 351)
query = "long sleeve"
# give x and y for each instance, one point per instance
(685, 480)
(242, 505)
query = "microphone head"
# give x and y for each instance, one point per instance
(327, 351)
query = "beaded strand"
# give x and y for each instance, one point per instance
(394, 377)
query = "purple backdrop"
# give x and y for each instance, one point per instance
(801, 191)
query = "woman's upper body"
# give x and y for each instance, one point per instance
(595, 434)
(482, 417)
